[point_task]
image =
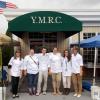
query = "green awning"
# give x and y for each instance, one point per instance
(45, 21)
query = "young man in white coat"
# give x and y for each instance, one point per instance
(56, 70)
(31, 67)
(44, 64)
(77, 64)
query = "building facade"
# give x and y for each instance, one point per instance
(91, 26)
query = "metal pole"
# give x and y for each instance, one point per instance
(95, 58)
(95, 61)
(79, 41)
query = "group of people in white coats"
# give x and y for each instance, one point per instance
(37, 67)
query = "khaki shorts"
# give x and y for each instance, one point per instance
(56, 76)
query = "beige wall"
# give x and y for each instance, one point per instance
(86, 29)
(62, 42)
(25, 44)
(91, 29)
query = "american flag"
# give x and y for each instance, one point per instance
(4, 5)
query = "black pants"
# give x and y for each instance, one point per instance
(15, 82)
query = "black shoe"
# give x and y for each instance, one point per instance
(34, 92)
(67, 91)
(11, 90)
(64, 91)
(30, 93)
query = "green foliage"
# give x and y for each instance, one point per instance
(6, 54)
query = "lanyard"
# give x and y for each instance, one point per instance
(66, 64)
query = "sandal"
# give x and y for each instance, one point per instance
(54, 93)
(59, 93)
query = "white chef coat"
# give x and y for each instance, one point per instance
(56, 62)
(66, 67)
(31, 64)
(44, 62)
(17, 66)
(77, 62)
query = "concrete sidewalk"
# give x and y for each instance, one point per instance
(25, 96)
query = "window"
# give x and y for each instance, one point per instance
(88, 53)
(98, 33)
(40, 39)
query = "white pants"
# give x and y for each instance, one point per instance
(66, 81)
(43, 76)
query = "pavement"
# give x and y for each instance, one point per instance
(86, 95)
(25, 96)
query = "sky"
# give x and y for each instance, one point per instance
(56, 4)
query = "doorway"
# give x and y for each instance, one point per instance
(43, 39)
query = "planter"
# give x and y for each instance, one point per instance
(95, 92)
(2, 93)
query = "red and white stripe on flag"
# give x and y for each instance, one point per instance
(1, 10)
(10, 5)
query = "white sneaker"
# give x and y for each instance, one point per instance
(37, 94)
(44, 93)
(79, 95)
(14, 96)
(75, 95)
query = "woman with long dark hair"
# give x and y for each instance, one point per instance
(66, 72)
(15, 64)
